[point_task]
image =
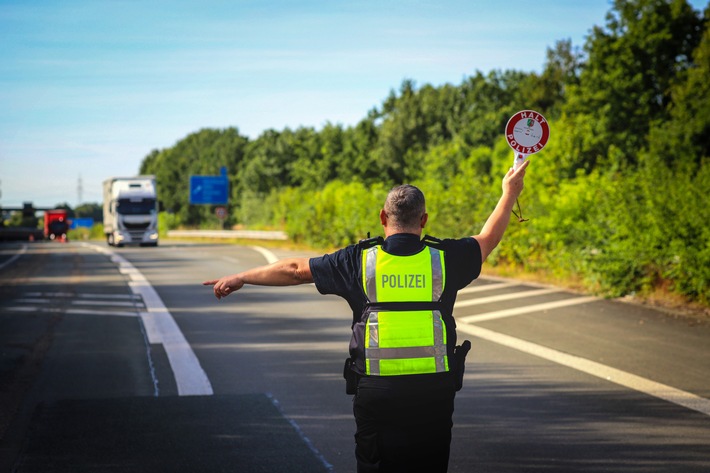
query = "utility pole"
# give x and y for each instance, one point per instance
(79, 192)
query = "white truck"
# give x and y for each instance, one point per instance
(131, 211)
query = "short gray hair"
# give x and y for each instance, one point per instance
(405, 205)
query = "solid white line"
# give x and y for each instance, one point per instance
(270, 257)
(525, 309)
(487, 287)
(622, 378)
(161, 327)
(504, 297)
(22, 251)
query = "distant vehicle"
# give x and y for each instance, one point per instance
(56, 225)
(131, 211)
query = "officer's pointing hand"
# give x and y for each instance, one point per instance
(225, 286)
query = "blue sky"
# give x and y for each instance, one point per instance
(89, 88)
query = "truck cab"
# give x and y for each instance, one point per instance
(131, 211)
(56, 225)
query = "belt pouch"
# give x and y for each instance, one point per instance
(351, 377)
(460, 353)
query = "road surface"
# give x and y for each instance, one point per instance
(120, 360)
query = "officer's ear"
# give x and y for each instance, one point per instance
(383, 217)
(425, 218)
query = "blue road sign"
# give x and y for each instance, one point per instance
(81, 222)
(209, 190)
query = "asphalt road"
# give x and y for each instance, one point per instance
(121, 360)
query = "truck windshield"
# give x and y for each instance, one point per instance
(135, 206)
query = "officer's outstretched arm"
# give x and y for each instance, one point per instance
(494, 228)
(285, 272)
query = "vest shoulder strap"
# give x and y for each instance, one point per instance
(378, 240)
(370, 242)
(432, 241)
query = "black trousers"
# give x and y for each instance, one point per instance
(403, 423)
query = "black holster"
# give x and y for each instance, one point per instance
(460, 352)
(351, 377)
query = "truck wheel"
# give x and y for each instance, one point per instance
(109, 239)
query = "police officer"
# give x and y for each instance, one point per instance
(403, 366)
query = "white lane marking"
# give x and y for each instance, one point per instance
(487, 287)
(132, 297)
(300, 433)
(270, 257)
(111, 303)
(31, 300)
(229, 259)
(504, 297)
(622, 378)
(22, 251)
(57, 310)
(499, 314)
(105, 303)
(161, 327)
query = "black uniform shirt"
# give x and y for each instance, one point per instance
(340, 273)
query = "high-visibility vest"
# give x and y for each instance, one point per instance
(404, 332)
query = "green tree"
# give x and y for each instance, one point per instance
(685, 136)
(625, 84)
(402, 133)
(357, 160)
(267, 162)
(561, 70)
(90, 210)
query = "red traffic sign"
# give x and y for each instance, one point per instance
(221, 212)
(527, 132)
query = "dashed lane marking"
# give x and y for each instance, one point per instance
(71, 311)
(94, 302)
(132, 297)
(102, 304)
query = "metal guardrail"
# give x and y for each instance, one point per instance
(246, 234)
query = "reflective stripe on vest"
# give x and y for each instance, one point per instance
(401, 342)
